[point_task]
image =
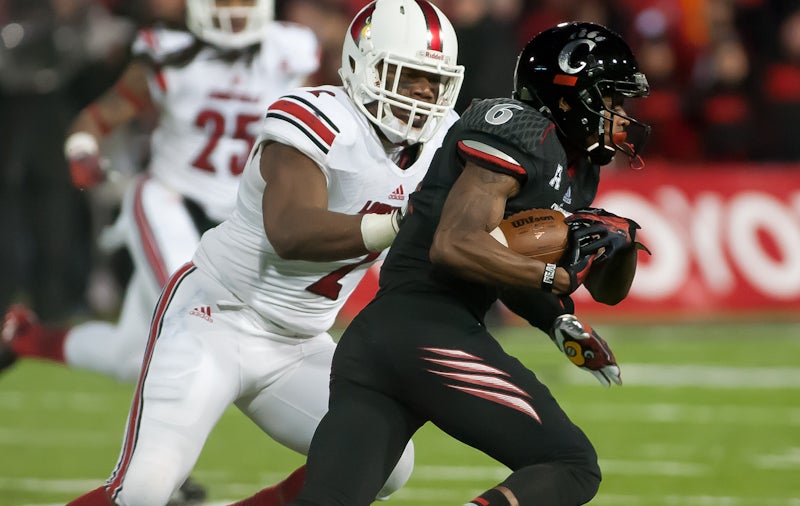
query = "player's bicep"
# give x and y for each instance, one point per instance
(294, 185)
(474, 206)
(477, 199)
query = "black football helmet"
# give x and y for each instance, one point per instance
(583, 63)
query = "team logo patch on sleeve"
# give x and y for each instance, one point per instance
(307, 118)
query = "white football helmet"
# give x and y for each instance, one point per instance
(217, 24)
(406, 34)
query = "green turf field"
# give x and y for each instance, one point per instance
(709, 416)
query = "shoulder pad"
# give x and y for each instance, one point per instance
(516, 123)
(311, 119)
(159, 43)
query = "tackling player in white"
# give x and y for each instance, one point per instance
(210, 87)
(246, 322)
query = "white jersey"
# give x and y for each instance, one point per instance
(211, 106)
(302, 298)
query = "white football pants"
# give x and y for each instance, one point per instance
(202, 356)
(159, 233)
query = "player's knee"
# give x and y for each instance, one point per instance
(583, 473)
(587, 477)
(573, 477)
(400, 474)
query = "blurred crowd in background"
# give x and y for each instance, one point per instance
(725, 79)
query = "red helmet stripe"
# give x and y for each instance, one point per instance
(565, 80)
(434, 25)
(360, 21)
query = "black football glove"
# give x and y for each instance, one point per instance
(577, 264)
(597, 230)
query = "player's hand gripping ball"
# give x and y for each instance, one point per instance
(585, 348)
(613, 239)
(540, 234)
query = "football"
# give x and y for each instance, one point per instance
(535, 233)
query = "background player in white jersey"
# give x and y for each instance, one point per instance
(210, 88)
(246, 322)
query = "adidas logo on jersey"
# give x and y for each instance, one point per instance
(203, 312)
(567, 199)
(398, 194)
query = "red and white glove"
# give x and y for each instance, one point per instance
(577, 266)
(584, 348)
(83, 157)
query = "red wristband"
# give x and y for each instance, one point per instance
(135, 100)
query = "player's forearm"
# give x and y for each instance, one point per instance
(103, 116)
(317, 235)
(128, 98)
(480, 258)
(538, 308)
(86, 123)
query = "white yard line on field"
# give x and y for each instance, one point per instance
(706, 376)
(412, 494)
(421, 473)
(54, 438)
(83, 401)
(716, 414)
(467, 474)
(691, 500)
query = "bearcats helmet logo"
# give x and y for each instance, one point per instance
(586, 39)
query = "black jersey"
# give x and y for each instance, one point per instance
(502, 135)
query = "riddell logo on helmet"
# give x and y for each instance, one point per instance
(435, 55)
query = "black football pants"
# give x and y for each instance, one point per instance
(408, 359)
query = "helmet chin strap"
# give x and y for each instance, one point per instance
(604, 156)
(600, 154)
